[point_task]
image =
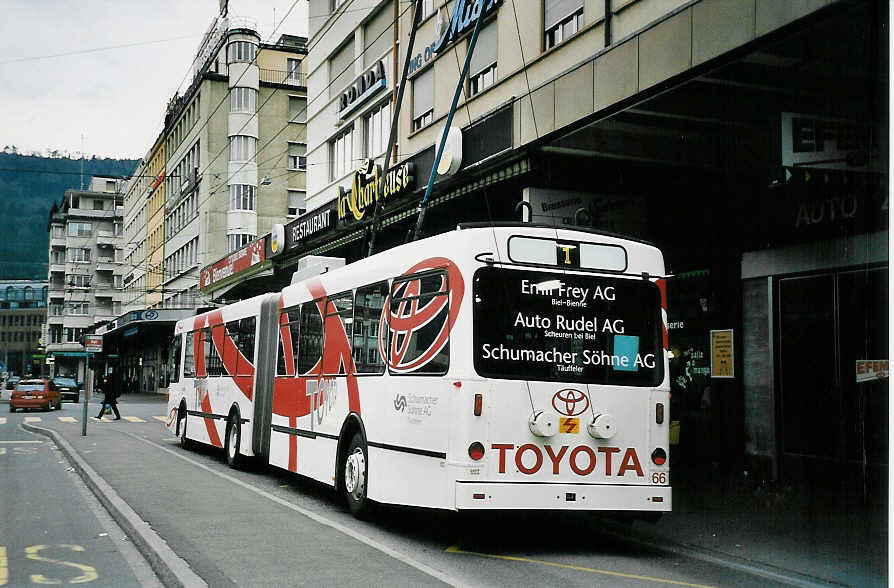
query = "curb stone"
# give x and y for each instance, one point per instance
(170, 568)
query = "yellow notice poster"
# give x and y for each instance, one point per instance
(722, 353)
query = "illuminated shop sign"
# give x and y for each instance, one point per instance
(363, 88)
(365, 188)
(308, 224)
(465, 15)
(250, 255)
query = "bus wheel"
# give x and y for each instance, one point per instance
(234, 438)
(355, 477)
(184, 441)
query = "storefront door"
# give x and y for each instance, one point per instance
(827, 322)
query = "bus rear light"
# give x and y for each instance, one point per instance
(479, 400)
(478, 496)
(476, 450)
(658, 499)
(659, 413)
(659, 456)
(458, 384)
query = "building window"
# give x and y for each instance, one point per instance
(341, 151)
(297, 109)
(79, 308)
(341, 70)
(423, 99)
(483, 67)
(80, 229)
(378, 37)
(236, 241)
(243, 148)
(377, 126)
(79, 255)
(293, 71)
(98, 204)
(241, 51)
(243, 100)
(562, 19)
(77, 281)
(428, 7)
(58, 231)
(296, 202)
(242, 197)
(297, 156)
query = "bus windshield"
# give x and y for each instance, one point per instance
(549, 326)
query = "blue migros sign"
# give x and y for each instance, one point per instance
(465, 14)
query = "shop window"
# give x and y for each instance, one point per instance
(562, 19)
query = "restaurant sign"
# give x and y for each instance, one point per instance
(238, 261)
(368, 183)
(307, 225)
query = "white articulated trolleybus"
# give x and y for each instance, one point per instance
(492, 367)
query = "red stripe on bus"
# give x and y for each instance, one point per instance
(209, 423)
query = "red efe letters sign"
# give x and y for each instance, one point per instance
(251, 254)
(871, 369)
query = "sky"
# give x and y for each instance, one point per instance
(94, 76)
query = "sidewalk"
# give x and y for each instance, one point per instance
(799, 534)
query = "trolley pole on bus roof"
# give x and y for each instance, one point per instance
(459, 87)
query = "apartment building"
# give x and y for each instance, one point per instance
(748, 139)
(23, 312)
(85, 268)
(228, 164)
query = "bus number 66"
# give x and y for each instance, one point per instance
(659, 478)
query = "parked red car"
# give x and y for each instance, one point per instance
(35, 394)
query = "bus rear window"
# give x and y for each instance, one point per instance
(555, 327)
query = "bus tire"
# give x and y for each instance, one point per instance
(185, 443)
(354, 474)
(234, 441)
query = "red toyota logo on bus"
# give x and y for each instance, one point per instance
(570, 402)
(400, 323)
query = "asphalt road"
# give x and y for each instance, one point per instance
(271, 528)
(52, 529)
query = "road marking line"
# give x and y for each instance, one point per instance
(455, 549)
(68, 419)
(32, 419)
(161, 418)
(2, 420)
(17, 442)
(133, 419)
(4, 567)
(314, 516)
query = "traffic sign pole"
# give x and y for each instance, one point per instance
(89, 381)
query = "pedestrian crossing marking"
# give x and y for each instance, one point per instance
(68, 419)
(32, 419)
(161, 418)
(133, 419)
(3, 420)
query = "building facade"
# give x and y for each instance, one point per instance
(228, 164)
(85, 269)
(23, 313)
(748, 139)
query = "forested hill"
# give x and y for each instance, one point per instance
(29, 184)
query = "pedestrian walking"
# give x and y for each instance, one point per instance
(110, 397)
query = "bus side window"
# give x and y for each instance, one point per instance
(230, 354)
(422, 348)
(246, 345)
(189, 362)
(369, 302)
(310, 344)
(288, 329)
(341, 305)
(174, 360)
(211, 358)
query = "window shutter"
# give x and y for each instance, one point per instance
(556, 10)
(423, 92)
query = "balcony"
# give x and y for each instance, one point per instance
(57, 242)
(107, 238)
(107, 264)
(57, 267)
(283, 78)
